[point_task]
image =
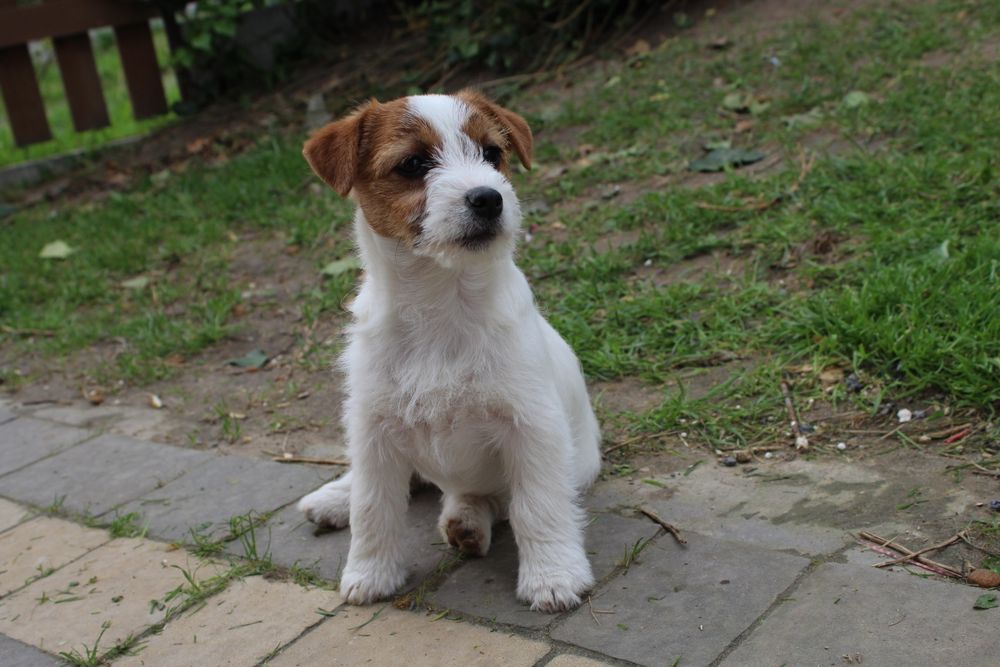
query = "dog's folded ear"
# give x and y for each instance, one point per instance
(332, 151)
(515, 126)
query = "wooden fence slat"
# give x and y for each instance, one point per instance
(142, 72)
(81, 82)
(21, 96)
(61, 18)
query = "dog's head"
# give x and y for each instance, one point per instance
(430, 171)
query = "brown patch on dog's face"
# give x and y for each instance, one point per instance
(363, 154)
(491, 122)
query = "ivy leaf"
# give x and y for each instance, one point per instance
(252, 359)
(986, 601)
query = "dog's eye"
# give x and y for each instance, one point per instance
(414, 166)
(493, 155)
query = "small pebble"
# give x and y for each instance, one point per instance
(919, 414)
(994, 504)
(730, 461)
(768, 455)
(841, 446)
(904, 416)
(854, 383)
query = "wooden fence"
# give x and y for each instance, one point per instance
(67, 23)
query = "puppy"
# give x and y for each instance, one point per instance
(452, 373)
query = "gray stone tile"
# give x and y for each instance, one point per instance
(486, 587)
(15, 654)
(6, 414)
(100, 474)
(293, 541)
(26, 440)
(886, 618)
(224, 487)
(685, 602)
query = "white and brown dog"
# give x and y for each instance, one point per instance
(452, 373)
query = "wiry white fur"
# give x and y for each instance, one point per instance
(453, 374)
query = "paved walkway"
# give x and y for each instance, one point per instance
(770, 574)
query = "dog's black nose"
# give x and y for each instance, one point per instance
(485, 203)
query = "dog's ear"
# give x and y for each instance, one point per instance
(332, 151)
(515, 126)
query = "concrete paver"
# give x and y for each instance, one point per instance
(6, 414)
(26, 440)
(15, 654)
(115, 584)
(354, 637)
(294, 541)
(685, 602)
(99, 474)
(11, 514)
(486, 587)
(144, 423)
(40, 546)
(237, 628)
(841, 612)
(224, 487)
(566, 660)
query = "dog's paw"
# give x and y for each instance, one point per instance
(467, 524)
(370, 581)
(470, 540)
(329, 506)
(554, 589)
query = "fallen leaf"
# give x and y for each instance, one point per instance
(721, 158)
(56, 250)
(252, 359)
(984, 578)
(986, 601)
(95, 396)
(810, 118)
(641, 46)
(137, 283)
(339, 266)
(832, 375)
(198, 145)
(720, 43)
(155, 401)
(855, 99)
(734, 102)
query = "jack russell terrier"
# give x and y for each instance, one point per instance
(452, 373)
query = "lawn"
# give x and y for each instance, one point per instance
(869, 245)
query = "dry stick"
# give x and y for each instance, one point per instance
(669, 527)
(801, 441)
(934, 566)
(910, 556)
(958, 436)
(306, 459)
(948, 431)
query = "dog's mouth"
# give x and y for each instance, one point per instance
(480, 234)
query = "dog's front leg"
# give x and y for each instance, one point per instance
(380, 491)
(548, 525)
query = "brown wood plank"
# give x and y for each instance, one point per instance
(21, 96)
(81, 82)
(142, 72)
(62, 18)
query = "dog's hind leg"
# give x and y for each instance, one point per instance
(466, 521)
(329, 505)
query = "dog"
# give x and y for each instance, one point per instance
(452, 374)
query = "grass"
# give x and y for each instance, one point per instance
(112, 77)
(883, 260)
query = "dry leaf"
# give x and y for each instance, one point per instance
(984, 578)
(155, 402)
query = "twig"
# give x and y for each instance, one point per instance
(669, 527)
(913, 554)
(801, 441)
(946, 432)
(925, 563)
(307, 459)
(958, 436)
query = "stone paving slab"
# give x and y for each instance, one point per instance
(11, 514)
(224, 487)
(6, 414)
(567, 660)
(15, 654)
(239, 627)
(40, 546)
(294, 541)
(26, 440)
(100, 474)
(113, 584)
(881, 618)
(686, 602)
(406, 638)
(485, 587)
(144, 423)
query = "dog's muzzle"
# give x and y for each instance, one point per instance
(486, 205)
